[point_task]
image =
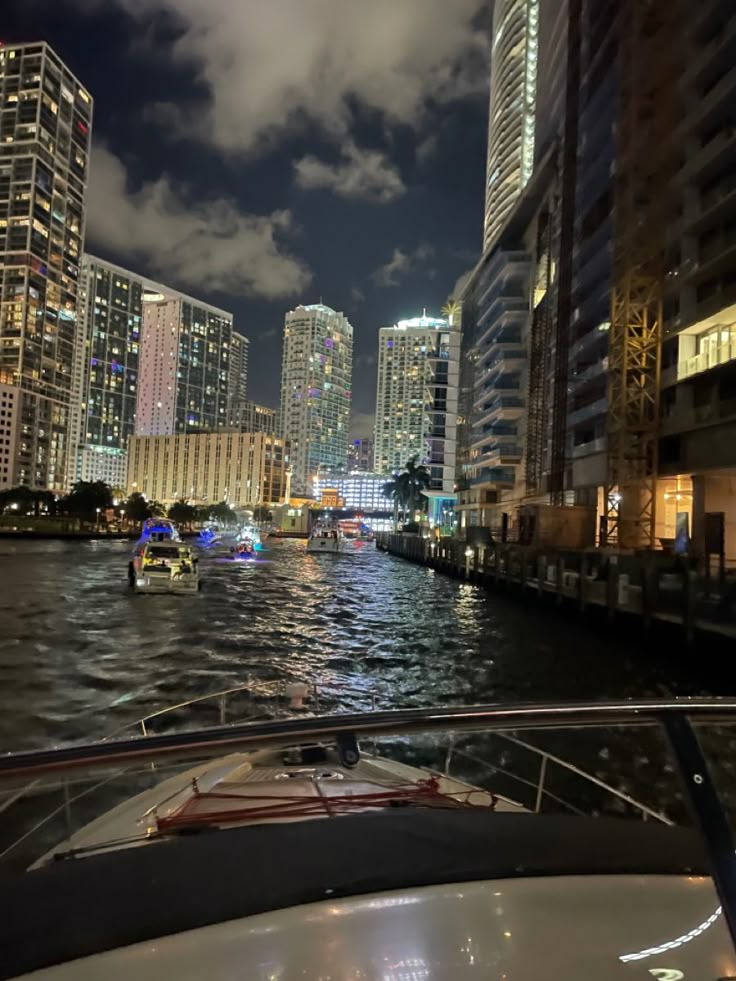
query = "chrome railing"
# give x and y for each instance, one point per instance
(316, 694)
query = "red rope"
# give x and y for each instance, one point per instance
(424, 792)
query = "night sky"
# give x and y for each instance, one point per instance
(263, 153)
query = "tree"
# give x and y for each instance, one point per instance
(416, 479)
(87, 498)
(223, 513)
(262, 513)
(405, 489)
(394, 490)
(182, 513)
(157, 509)
(136, 508)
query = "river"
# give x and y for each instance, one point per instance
(81, 655)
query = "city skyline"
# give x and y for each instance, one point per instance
(258, 210)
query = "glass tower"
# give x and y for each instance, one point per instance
(45, 125)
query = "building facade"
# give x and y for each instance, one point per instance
(106, 370)
(237, 383)
(243, 469)
(360, 455)
(250, 417)
(697, 445)
(512, 115)
(417, 398)
(184, 366)
(316, 391)
(45, 130)
(359, 491)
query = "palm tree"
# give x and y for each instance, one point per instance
(415, 479)
(394, 490)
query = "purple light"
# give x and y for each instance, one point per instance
(389, 343)
(329, 342)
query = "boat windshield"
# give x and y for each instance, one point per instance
(165, 551)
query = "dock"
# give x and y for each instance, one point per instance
(642, 591)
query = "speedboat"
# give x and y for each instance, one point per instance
(439, 843)
(208, 537)
(325, 538)
(158, 530)
(165, 567)
(244, 549)
(249, 533)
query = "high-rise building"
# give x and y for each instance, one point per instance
(184, 366)
(360, 455)
(316, 388)
(110, 321)
(417, 398)
(238, 376)
(244, 469)
(250, 417)
(511, 121)
(45, 126)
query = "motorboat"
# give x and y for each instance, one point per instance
(438, 843)
(327, 539)
(244, 548)
(208, 537)
(158, 530)
(165, 567)
(249, 533)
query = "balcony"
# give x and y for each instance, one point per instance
(579, 379)
(709, 159)
(588, 412)
(712, 357)
(704, 56)
(494, 476)
(504, 455)
(504, 361)
(590, 339)
(588, 449)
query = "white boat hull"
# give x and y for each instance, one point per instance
(153, 583)
(326, 545)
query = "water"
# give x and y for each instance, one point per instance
(80, 655)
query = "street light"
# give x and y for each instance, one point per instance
(97, 523)
(122, 519)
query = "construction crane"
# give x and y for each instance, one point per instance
(650, 63)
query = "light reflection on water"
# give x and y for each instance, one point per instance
(80, 655)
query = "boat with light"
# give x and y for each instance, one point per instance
(249, 533)
(326, 538)
(166, 567)
(445, 843)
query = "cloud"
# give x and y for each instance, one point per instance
(427, 148)
(269, 66)
(357, 295)
(210, 244)
(401, 264)
(359, 174)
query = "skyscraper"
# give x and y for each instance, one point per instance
(238, 376)
(45, 124)
(316, 386)
(110, 326)
(416, 399)
(360, 455)
(184, 364)
(512, 110)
